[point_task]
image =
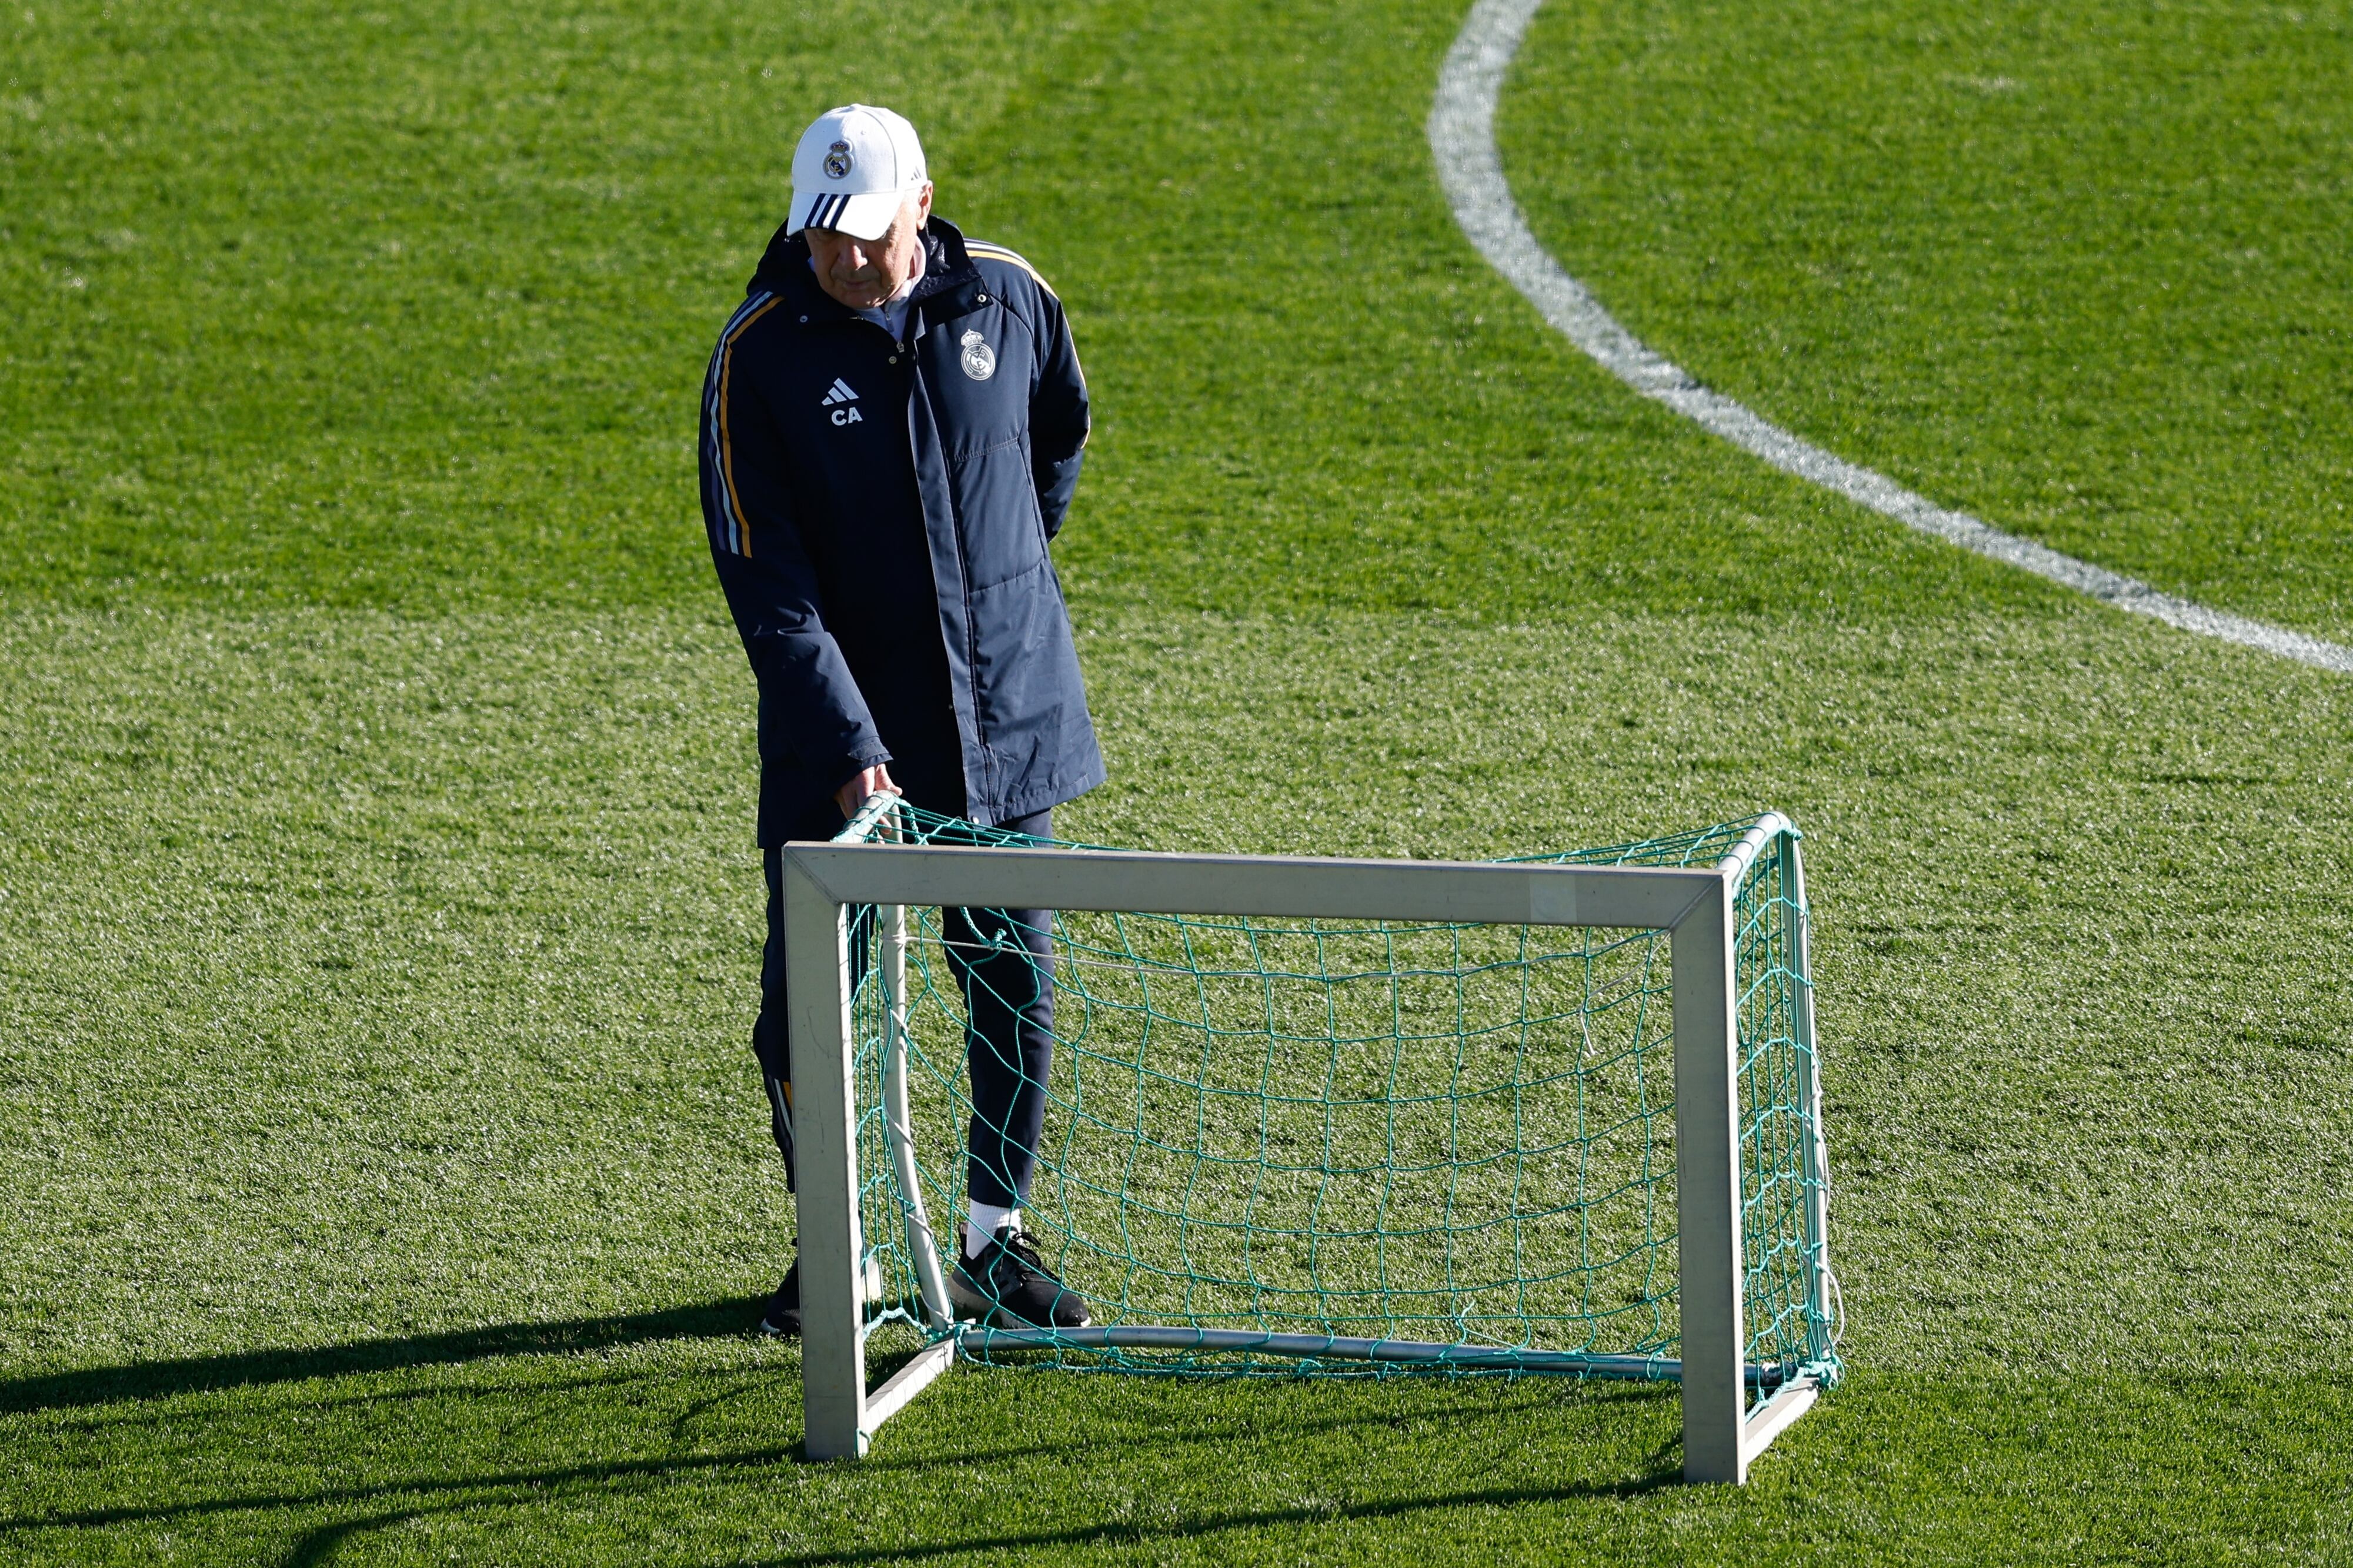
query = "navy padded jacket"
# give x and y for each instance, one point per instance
(878, 512)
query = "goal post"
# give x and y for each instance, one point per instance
(1745, 1151)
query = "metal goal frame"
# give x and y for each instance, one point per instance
(1694, 906)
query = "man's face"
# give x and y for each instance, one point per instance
(863, 273)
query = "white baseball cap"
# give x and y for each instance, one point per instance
(853, 169)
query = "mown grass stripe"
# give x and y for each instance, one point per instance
(1463, 138)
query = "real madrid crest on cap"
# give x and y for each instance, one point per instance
(853, 169)
(979, 359)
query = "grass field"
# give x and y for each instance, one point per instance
(2078, 268)
(385, 1174)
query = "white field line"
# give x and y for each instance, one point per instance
(1462, 135)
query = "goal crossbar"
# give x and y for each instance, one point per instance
(1138, 881)
(1693, 905)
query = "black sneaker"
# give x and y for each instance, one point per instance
(1010, 1280)
(783, 1318)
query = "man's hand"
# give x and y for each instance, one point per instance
(872, 781)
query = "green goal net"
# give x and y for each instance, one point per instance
(1352, 1148)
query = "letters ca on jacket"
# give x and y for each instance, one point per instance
(853, 480)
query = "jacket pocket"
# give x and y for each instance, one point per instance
(1001, 531)
(1033, 704)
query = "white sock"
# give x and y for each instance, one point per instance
(981, 1223)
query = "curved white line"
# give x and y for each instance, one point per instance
(1462, 135)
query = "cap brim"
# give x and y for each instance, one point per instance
(866, 215)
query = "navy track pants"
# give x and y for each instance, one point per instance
(1003, 962)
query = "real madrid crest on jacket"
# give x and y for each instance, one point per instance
(979, 359)
(855, 486)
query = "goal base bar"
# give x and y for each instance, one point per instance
(1770, 1419)
(1338, 1347)
(1792, 1397)
(899, 1390)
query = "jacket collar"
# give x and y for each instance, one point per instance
(948, 288)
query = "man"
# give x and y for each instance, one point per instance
(892, 430)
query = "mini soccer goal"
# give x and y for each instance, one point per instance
(1331, 1118)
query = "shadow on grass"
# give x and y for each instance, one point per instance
(450, 1494)
(722, 1319)
(1126, 1533)
(319, 1544)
